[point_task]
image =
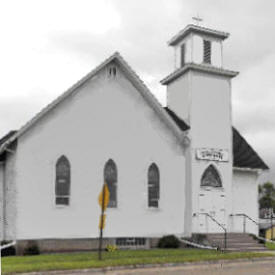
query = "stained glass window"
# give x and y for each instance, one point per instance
(211, 177)
(110, 177)
(62, 181)
(153, 186)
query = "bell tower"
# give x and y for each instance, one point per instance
(199, 91)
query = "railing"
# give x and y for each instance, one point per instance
(219, 224)
(244, 220)
(7, 245)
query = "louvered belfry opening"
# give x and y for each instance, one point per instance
(207, 51)
(182, 57)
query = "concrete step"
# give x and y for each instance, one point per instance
(243, 245)
(228, 234)
(235, 242)
(247, 249)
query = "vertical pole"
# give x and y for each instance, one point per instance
(101, 224)
(271, 222)
(244, 224)
(225, 239)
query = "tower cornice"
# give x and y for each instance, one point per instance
(199, 30)
(198, 67)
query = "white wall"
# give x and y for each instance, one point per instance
(107, 118)
(178, 96)
(245, 200)
(10, 197)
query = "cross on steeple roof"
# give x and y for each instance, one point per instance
(197, 19)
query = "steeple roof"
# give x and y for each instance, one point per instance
(197, 29)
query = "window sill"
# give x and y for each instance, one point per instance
(210, 188)
(61, 206)
(153, 209)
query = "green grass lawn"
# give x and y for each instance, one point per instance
(82, 260)
(270, 245)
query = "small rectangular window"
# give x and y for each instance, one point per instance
(207, 51)
(182, 55)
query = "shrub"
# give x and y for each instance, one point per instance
(169, 241)
(31, 249)
(9, 251)
(111, 248)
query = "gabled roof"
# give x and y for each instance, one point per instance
(244, 155)
(181, 123)
(134, 79)
(7, 136)
(196, 29)
(4, 139)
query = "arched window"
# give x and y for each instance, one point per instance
(211, 177)
(110, 177)
(153, 186)
(62, 181)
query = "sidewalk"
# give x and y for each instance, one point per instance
(255, 266)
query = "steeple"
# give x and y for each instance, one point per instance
(199, 92)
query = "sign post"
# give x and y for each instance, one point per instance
(271, 222)
(103, 201)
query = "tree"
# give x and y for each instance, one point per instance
(267, 196)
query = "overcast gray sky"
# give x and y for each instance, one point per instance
(48, 45)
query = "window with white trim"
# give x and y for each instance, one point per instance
(62, 181)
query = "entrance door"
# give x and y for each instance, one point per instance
(211, 202)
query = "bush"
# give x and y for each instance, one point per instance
(111, 248)
(31, 249)
(169, 241)
(9, 251)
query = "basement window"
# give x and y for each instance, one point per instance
(130, 242)
(207, 51)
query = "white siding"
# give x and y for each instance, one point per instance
(10, 193)
(178, 96)
(245, 200)
(107, 118)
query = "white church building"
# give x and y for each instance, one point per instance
(181, 169)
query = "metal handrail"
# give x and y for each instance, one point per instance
(244, 215)
(219, 224)
(244, 220)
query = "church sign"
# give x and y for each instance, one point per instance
(212, 154)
